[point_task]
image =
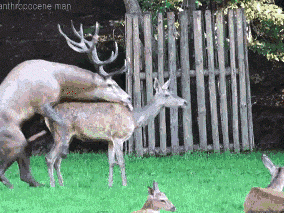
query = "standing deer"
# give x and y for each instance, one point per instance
(156, 201)
(35, 86)
(271, 198)
(108, 121)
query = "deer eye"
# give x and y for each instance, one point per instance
(167, 95)
(163, 201)
(109, 85)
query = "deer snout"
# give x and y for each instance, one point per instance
(173, 209)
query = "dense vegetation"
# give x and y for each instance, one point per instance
(265, 17)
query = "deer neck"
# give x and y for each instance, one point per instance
(150, 208)
(144, 114)
(77, 75)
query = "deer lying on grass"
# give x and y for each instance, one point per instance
(108, 121)
(271, 198)
(35, 86)
(156, 201)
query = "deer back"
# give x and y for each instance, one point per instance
(264, 200)
(97, 120)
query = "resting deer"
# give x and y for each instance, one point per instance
(35, 86)
(156, 201)
(108, 121)
(270, 198)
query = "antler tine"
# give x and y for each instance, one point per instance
(80, 35)
(95, 59)
(89, 47)
(103, 73)
(81, 46)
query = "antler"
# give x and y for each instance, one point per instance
(103, 73)
(89, 47)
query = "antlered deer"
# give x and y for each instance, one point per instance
(156, 201)
(35, 86)
(108, 121)
(271, 198)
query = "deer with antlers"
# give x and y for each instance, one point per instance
(107, 121)
(35, 86)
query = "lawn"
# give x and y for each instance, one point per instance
(196, 182)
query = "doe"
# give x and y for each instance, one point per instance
(156, 201)
(270, 198)
(113, 122)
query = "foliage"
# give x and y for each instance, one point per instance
(267, 32)
(266, 21)
(159, 6)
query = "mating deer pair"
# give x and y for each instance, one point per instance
(35, 86)
(113, 122)
(271, 198)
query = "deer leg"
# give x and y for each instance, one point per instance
(57, 169)
(111, 161)
(25, 173)
(3, 179)
(55, 117)
(119, 156)
(53, 159)
(50, 166)
(13, 147)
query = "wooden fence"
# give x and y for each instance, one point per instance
(209, 70)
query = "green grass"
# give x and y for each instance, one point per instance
(196, 182)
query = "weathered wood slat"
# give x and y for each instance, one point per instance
(212, 83)
(129, 74)
(235, 112)
(136, 78)
(242, 78)
(200, 79)
(191, 73)
(222, 80)
(149, 77)
(250, 121)
(173, 84)
(185, 82)
(161, 52)
(181, 149)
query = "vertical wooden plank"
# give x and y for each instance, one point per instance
(136, 78)
(161, 52)
(129, 77)
(200, 80)
(173, 83)
(242, 77)
(212, 83)
(223, 92)
(149, 77)
(143, 103)
(250, 121)
(235, 113)
(185, 82)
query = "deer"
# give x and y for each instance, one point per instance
(35, 86)
(156, 201)
(271, 198)
(113, 122)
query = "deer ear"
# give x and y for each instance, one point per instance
(150, 191)
(268, 164)
(166, 85)
(155, 186)
(157, 85)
